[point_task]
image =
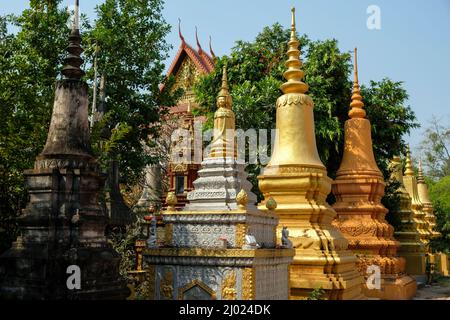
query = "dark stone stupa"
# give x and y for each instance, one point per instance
(63, 223)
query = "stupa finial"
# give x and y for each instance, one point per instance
(294, 74)
(356, 106)
(73, 61)
(224, 92)
(420, 177)
(409, 171)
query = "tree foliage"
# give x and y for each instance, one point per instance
(131, 37)
(29, 64)
(435, 149)
(440, 197)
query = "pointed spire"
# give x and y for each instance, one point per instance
(420, 177)
(224, 91)
(73, 61)
(76, 16)
(199, 47)
(356, 106)
(179, 31)
(409, 171)
(294, 74)
(213, 55)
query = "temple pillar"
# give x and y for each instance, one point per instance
(297, 179)
(359, 187)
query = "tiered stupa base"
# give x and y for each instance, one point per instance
(209, 252)
(58, 232)
(205, 257)
(322, 259)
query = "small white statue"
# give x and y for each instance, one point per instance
(250, 242)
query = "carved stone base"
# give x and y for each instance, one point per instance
(218, 274)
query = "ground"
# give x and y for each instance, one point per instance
(439, 290)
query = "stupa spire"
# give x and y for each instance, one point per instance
(73, 61)
(224, 92)
(420, 178)
(356, 106)
(294, 74)
(409, 170)
(223, 144)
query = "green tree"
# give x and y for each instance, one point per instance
(131, 36)
(29, 63)
(440, 197)
(255, 74)
(435, 149)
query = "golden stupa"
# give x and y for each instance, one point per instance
(410, 182)
(359, 187)
(412, 249)
(297, 179)
(424, 197)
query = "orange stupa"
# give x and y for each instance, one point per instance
(359, 187)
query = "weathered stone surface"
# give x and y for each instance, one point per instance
(63, 223)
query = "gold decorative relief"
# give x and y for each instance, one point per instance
(229, 286)
(248, 284)
(241, 231)
(168, 235)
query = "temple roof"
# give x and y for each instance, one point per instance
(201, 59)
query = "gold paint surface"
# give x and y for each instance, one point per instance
(297, 180)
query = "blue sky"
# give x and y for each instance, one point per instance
(413, 44)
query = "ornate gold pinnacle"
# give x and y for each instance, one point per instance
(294, 74)
(224, 92)
(242, 199)
(409, 170)
(420, 178)
(356, 106)
(171, 201)
(224, 141)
